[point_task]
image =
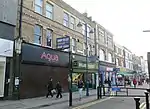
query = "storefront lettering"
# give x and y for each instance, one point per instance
(90, 66)
(50, 57)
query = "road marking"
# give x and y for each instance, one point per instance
(91, 103)
(143, 105)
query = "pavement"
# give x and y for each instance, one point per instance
(43, 102)
(90, 101)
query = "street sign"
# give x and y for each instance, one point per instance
(63, 42)
(116, 89)
(116, 69)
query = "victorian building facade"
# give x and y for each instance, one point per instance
(43, 22)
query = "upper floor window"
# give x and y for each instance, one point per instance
(90, 49)
(117, 61)
(109, 57)
(84, 48)
(38, 6)
(119, 51)
(49, 36)
(102, 55)
(73, 45)
(83, 29)
(88, 31)
(66, 19)
(72, 23)
(49, 10)
(37, 34)
(110, 42)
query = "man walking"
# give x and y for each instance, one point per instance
(59, 90)
(49, 88)
(134, 83)
(80, 88)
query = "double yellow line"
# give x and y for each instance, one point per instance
(143, 105)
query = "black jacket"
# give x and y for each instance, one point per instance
(58, 87)
(80, 84)
(50, 85)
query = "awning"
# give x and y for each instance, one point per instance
(125, 73)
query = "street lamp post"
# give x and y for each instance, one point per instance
(17, 46)
(86, 41)
(148, 59)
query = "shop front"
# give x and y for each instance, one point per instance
(6, 53)
(38, 64)
(79, 72)
(108, 72)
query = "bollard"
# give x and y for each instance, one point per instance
(147, 99)
(127, 91)
(70, 97)
(98, 92)
(103, 90)
(137, 102)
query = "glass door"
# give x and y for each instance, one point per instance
(2, 77)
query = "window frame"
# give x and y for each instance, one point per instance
(72, 23)
(39, 6)
(51, 31)
(51, 12)
(65, 20)
(101, 51)
(39, 35)
(83, 29)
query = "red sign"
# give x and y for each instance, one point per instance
(50, 57)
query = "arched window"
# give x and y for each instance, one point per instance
(109, 57)
(102, 55)
(117, 61)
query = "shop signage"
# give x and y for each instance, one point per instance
(6, 48)
(90, 65)
(109, 69)
(38, 54)
(63, 42)
(50, 57)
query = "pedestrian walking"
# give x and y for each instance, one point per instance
(80, 88)
(134, 83)
(49, 88)
(59, 90)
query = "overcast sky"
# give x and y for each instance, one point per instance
(126, 19)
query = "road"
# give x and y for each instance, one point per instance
(115, 103)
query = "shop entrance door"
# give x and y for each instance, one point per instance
(2, 75)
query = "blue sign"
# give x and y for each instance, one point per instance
(116, 89)
(63, 42)
(116, 69)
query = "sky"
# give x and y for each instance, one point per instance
(125, 19)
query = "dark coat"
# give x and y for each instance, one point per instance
(50, 85)
(58, 87)
(80, 84)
